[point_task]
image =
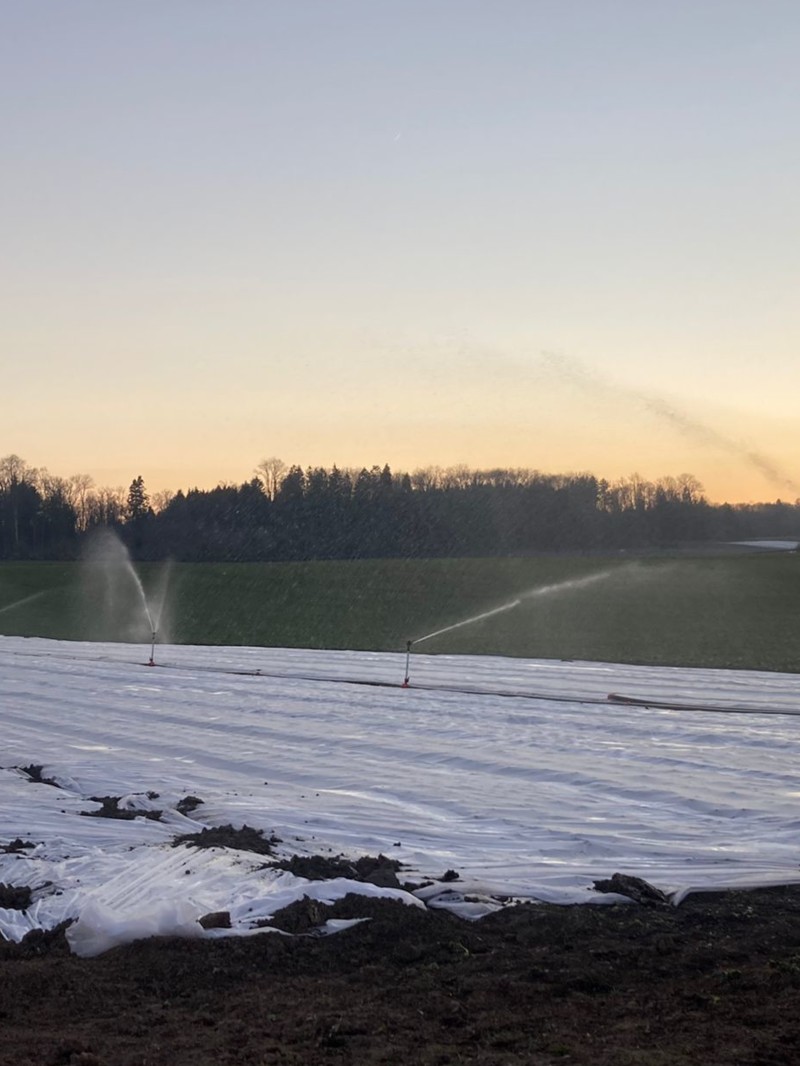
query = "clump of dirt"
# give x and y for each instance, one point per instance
(635, 888)
(34, 772)
(188, 804)
(16, 846)
(36, 943)
(75, 1053)
(110, 809)
(369, 869)
(225, 836)
(15, 898)
(216, 920)
(299, 917)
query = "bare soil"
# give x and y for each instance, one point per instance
(715, 981)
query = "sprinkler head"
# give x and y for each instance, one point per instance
(408, 661)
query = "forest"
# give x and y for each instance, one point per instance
(284, 512)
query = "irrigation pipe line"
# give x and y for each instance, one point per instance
(676, 705)
(612, 699)
(597, 701)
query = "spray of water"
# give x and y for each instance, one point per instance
(118, 602)
(468, 621)
(566, 586)
(140, 588)
(541, 590)
(22, 602)
(158, 597)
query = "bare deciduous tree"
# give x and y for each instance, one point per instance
(160, 500)
(270, 473)
(79, 488)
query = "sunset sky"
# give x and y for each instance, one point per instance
(558, 234)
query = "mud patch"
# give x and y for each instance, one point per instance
(715, 980)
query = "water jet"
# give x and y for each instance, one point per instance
(21, 603)
(542, 590)
(118, 603)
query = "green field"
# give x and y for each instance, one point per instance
(706, 610)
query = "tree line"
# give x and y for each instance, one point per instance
(290, 513)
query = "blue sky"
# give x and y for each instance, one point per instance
(367, 232)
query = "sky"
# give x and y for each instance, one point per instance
(555, 234)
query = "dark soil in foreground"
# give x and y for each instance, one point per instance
(715, 981)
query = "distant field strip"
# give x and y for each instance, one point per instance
(728, 610)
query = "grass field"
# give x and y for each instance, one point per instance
(724, 610)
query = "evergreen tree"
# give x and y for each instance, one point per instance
(138, 503)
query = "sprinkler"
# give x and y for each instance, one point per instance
(408, 662)
(543, 590)
(152, 661)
